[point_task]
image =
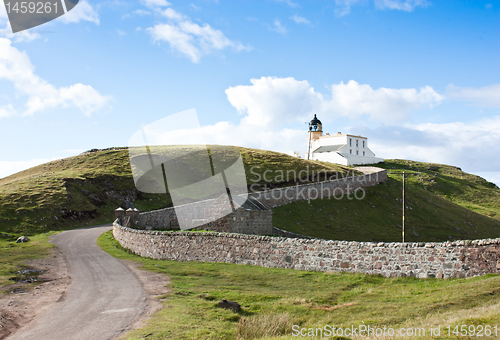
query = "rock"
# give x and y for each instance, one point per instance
(22, 239)
(108, 185)
(96, 200)
(85, 192)
(126, 204)
(234, 306)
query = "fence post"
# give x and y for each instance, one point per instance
(136, 218)
(120, 214)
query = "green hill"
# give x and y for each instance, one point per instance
(443, 202)
(86, 189)
(450, 182)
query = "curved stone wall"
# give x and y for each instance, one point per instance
(165, 218)
(422, 260)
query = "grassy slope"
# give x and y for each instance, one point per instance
(278, 298)
(470, 191)
(50, 196)
(442, 203)
(13, 255)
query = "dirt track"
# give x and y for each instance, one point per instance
(105, 297)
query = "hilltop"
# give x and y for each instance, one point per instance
(443, 202)
(86, 189)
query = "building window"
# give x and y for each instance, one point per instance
(350, 151)
(350, 142)
(357, 152)
(357, 143)
(363, 143)
(363, 153)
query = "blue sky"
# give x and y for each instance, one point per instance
(420, 79)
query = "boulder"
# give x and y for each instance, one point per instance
(22, 239)
(234, 306)
(96, 199)
(108, 185)
(126, 204)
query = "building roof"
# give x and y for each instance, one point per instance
(315, 121)
(328, 148)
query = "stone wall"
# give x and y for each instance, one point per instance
(422, 260)
(243, 221)
(335, 188)
(167, 219)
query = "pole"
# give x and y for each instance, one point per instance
(403, 207)
(309, 145)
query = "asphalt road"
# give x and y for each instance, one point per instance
(103, 299)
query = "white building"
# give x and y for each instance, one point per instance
(341, 148)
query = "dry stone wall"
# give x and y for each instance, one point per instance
(349, 185)
(422, 260)
(167, 219)
(244, 222)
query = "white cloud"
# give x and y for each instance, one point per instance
(471, 146)
(7, 111)
(155, 3)
(300, 20)
(354, 99)
(141, 12)
(343, 7)
(401, 5)
(3, 11)
(81, 12)
(270, 105)
(15, 66)
(9, 168)
(486, 96)
(173, 14)
(289, 3)
(271, 100)
(23, 36)
(278, 27)
(191, 39)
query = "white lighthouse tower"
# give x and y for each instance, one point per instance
(341, 148)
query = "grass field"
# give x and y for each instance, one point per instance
(13, 256)
(274, 300)
(378, 217)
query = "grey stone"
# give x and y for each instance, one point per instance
(22, 239)
(126, 204)
(108, 185)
